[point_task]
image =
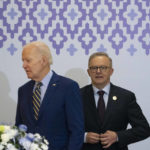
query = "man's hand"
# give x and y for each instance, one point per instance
(108, 138)
(92, 137)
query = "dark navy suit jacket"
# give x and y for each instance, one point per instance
(122, 109)
(60, 117)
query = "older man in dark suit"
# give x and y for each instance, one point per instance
(49, 104)
(108, 109)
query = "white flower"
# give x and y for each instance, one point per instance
(12, 133)
(34, 147)
(37, 136)
(4, 143)
(11, 147)
(5, 138)
(7, 128)
(1, 147)
(45, 141)
(44, 147)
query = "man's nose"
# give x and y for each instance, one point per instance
(24, 65)
(99, 70)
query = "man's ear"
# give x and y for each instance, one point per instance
(88, 71)
(44, 60)
(112, 70)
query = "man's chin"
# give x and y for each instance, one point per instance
(29, 76)
(99, 82)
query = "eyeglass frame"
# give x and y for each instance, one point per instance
(94, 69)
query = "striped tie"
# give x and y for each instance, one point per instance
(36, 100)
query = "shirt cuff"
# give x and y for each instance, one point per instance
(85, 137)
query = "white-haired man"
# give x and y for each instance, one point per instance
(49, 104)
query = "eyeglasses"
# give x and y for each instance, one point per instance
(101, 68)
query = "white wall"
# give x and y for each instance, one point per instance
(129, 72)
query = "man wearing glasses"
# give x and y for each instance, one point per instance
(108, 109)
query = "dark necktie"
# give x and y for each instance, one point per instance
(36, 100)
(101, 105)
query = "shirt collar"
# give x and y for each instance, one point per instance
(106, 89)
(47, 78)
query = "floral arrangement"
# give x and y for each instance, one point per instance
(16, 138)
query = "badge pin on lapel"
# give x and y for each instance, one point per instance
(114, 98)
(53, 84)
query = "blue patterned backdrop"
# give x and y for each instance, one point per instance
(93, 25)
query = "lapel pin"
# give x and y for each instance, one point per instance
(114, 98)
(53, 84)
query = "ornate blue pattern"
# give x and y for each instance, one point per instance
(87, 22)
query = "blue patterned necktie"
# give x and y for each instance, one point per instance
(36, 100)
(101, 105)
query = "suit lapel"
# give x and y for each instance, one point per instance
(108, 112)
(52, 86)
(29, 106)
(92, 105)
